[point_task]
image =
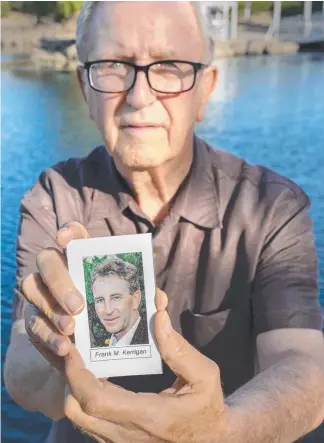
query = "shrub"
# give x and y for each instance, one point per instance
(60, 10)
(5, 9)
(65, 10)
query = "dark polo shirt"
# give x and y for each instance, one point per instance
(235, 255)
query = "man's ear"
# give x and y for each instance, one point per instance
(137, 297)
(80, 76)
(82, 83)
(208, 84)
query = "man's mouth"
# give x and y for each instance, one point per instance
(109, 320)
(141, 127)
(128, 124)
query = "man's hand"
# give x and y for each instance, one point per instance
(191, 411)
(53, 299)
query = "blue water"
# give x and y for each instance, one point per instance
(269, 110)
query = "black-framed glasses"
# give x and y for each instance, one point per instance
(166, 76)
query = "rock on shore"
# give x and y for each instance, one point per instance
(21, 35)
(237, 47)
(53, 61)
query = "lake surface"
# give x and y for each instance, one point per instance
(269, 110)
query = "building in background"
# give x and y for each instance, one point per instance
(222, 18)
(224, 21)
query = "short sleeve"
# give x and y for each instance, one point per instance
(285, 290)
(37, 230)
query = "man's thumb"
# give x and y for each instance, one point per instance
(182, 358)
(70, 231)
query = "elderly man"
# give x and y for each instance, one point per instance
(117, 298)
(234, 252)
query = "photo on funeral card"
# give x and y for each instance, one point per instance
(116, 300)
(114, 333)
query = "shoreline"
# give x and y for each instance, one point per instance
(49, 46)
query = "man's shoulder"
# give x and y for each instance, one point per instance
(234, 171)
(80, 171)
(141, 333)
(66, 188)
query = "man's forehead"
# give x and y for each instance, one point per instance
(114, 280)
(157, 48)
(158, 29)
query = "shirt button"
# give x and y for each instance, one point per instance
(156, 250)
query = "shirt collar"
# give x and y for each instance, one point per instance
(109, 184)
(128, 337)
(197, 200)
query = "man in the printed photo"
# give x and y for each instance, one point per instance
(117, 298)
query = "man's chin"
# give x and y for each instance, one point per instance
(142, 159)
(139, 154)
(113, 330)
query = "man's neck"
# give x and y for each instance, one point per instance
(155, 188)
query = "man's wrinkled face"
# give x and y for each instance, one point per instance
(142, 128)
(114, 304)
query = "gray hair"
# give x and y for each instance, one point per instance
(89, 7)
(114, 266)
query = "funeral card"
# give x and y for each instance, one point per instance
(114, 333)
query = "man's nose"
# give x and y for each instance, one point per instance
(141, 95)
(108, 307)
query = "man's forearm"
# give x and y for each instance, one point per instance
(280, 404)
(30, 380)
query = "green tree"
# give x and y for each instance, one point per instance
(6, 8)
(40, 9)
(65, 10)
(60, 10)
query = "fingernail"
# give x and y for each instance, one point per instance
(67, 233)
(74, 303)
(65, 322)
(166, 323)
